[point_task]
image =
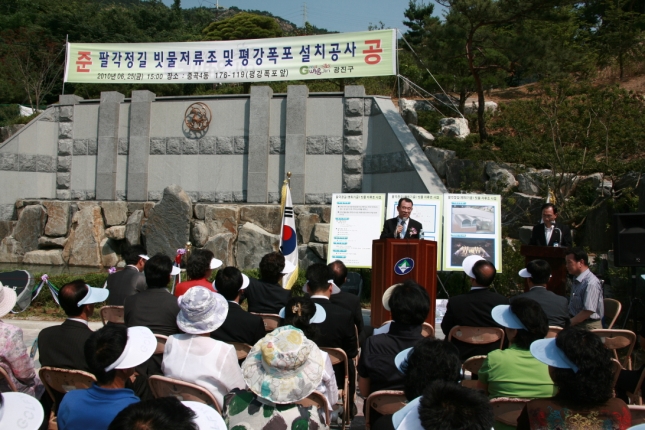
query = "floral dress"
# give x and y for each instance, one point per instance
(15, 360)
(548, 414)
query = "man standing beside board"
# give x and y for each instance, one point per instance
(402, 227)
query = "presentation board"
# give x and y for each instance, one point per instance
(472, 226)
(426, 208)
(356, 220)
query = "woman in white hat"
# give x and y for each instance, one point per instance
(14, 356)
(194, 356)
(281, 369)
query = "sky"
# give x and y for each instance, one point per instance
(334, 15)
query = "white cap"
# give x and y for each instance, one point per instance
(140, 346)
(20, 411)
(318, 317)
(546, 351)
(145, 257)
(245, 282)
(215, 263)
(207, 418)
(176, 270)
(468, 264)
(94, 295)
(288, 267)
(503, 316)
(386, 296)
(524, 273)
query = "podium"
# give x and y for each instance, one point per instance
(388, 253)
(553, 255)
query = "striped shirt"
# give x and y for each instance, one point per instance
(586, 295)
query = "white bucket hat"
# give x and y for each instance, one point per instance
(207, 418)
(503, 316)
(468, 264)
(94, 295)
(201, 311)
(20, 411)
(386, 296)
(318, 317)
(8, 299)
(140, 346)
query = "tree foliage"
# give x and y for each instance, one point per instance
(243, 26)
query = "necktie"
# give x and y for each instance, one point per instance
(402, 234)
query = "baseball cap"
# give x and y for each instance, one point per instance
(140, 346)
(468, 264)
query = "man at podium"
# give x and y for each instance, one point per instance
(402, 227)
(549, 232)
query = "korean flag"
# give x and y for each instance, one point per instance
(288, 240)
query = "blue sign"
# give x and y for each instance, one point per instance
(404, 266)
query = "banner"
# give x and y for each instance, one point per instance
(288, 238)
(341, 55)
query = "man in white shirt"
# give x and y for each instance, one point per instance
(549, 232)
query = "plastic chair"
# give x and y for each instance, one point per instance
(508, 409)
(638, 414)
(4, 375)
(616, 367)
(427, 330)
(636, 397)
(162, 386)
(473, 364)
(338, 356)
(318, 400)
(271, 321)
(615, 339)
(161, 343)
(353, 284)
(612, 311)
(384, 402)
(241, 349)
(477, 335)
(64, 380)
(113, 314)
(553, 331)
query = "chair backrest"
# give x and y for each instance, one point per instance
(615, 339)
(64, 380)
(473, 364)
(553, 331)
(616, 367)
(477, 335)
(271, 321)
(638, 414)
(612, 310)
(507, 410)
(318, 400)
(353, 284)
(241, 349)
(427, 330)
(384, 402)
(337, 356)
(5, 375)
(635, 397)
(161, 343)
(113, 314)
(162, 386)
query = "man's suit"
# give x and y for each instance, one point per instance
(555, 307)
(124, 283)
(561, 234)
(266, 298)
(240, 326)
(413, 228)
(154, 308)
(63, 345)
(472, 309)
(352, 303)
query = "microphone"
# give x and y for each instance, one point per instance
(560, 236)
(400, 222)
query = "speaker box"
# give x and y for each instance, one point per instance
(629, 239)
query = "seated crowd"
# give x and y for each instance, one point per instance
(296, 375)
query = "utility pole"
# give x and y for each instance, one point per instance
(304, 15)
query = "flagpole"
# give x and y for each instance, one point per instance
(289, 179)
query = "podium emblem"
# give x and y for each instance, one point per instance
(404, 266)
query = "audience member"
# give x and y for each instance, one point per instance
(20, 411)
(199, 269)
(301, 313)
(580, 366)
(473, 308)
(514, 372)
(281, 369)
(537, 274)
(164, 413)
(266, 296)
(448, 406)
(14, 357)
(239, 325)
(112, 353)
(430, 360)
(337, 331)
(349, 301)
(194, 356)
(130, 280)
(586, 306)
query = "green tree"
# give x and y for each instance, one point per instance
(243, 26)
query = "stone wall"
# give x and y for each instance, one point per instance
(92, 233)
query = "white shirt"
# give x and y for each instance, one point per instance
(204, 361)
(79, 320)
(328, 385)
(548, 231)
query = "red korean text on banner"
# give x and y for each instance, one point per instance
(373, 56)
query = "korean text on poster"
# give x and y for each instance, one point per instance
(356, 220)
(341, 55)
(472, 226)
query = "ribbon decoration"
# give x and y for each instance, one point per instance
(44, 280)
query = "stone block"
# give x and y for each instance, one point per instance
(305, 224)
(115, 213)
(65, 130)
(316, 144)
(198, 233)
(30, 227)
(207, 145)
(63, 194)
(52, 257)
(454, 127)
(239, 196)
(241, 144)
(323, 210)
(334, 145)
(46, 242)
(63, 180)
(155, 196)
(173, 145)
(500, 176)
(315, 198)
(354, 107)
(224, 145)
(253, 243)
(11, 251)
(27, 162)
(352, 183)
(8, 161)
(66, 113)
(109, 257)
(168, 226)
(353, 126)
(222, 245)
(307, 256)
(277, 145)
(367, 108)
(354, 145)
(6, 228)
(133, 228)
(65, 146)
(157, 146)
(199, 210)
(439, 158)
(218, 218)
(267, 217)
(58, 218)
(190, 146)
(207, 196)
(423, 136)
(354, 91)
(80, 147)
(69, 99)
(319, 249)
(124, 146)
(321, 233)
(147, 207)
(45, 164)
(92, 147)
(134, 206)
(223, 196)
(274, 197)
(353, 164)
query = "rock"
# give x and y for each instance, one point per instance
(6, 228)
(168, 227)
(58, 217)
(501, 178)
(305, 224)
(109, 258)
(83, 247)
(199, 234)
(524, 234)
(147, 207)
(323, 211)
(422, 105)
(51, 242)
(319, 249)
(52, 257)
(30, 227)
(465, 174)
(115, 213)
(133, 228)
(472, 107)
(117, 232)
(439, 157)
(223, 246)
(630, 179)
(408, 111)
(267, 217)
(220, 218)
(596, 231)
(253, 243)
(522, 210)
(526, 184)
(321, 233)
(454, 127)
(423, 136)
(11, 251)
(200, 210)
(307, 257)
